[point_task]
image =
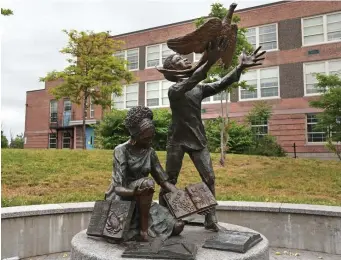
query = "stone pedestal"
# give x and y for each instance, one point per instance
(88, 248)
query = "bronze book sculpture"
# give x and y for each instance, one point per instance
(196, 198)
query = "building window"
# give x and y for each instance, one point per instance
(129, 97)
(325, 67)
(53, 111)
(265, 36)
(66, 140)
(196, 56)
(157, 93)
(132, 56)
(217, 98)
(264, 81)
(259, 127)
(92, 109)
(321, 29)
(67, 105)
(157, 54)
(313, 135)
(53, 140)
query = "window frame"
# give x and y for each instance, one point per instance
(259, 88)
(194, 55)
(50, 116)
(91, 108)
(160, 54)
(306, 131)
(212, 101)
(66, 138)
(325, 31)
(49, 140)
(126, 55)
(258, 135)
(257, 35)
(326, 66)
(160, 93)
(125, 97)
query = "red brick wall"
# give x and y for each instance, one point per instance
(38, 115)
(249, 18)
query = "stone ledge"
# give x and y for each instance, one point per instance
(320, 210)
(46, 209)
(248, 206)
(50, 209)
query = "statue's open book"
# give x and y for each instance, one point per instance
(194, 199)
(110, 218)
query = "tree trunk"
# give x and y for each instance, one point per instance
(84, 114)
(222, 150)
(226, 123)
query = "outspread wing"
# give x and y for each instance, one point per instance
(196, 41)
(231, 35)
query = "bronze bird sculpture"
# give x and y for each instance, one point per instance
(213, 29)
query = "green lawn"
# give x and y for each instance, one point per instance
(54, 176)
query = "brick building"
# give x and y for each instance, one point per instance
(301, 38)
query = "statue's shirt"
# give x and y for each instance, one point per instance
(185, 99)
(187, 128)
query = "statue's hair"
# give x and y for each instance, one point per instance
(136, 114)
(168, 64)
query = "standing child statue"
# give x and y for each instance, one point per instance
(133, 162)
(187, 133)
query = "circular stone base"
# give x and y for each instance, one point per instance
(89, 248)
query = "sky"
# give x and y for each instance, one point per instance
(32, 37)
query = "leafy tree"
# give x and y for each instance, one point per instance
(330, 101)
(93, 71)
(4, 141)
(240, 138)
(111, 131)
(162, 118)
(218, 71)
(17, 142)
(6, 12)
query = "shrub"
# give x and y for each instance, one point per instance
(212, 128)
(266, 146)
(240, 138)
(111, 131)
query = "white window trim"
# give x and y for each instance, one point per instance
(53, 138)
(160, 93)
(125, 97)
(257, 35)
(160, 55)
(53, 100)
(306, 132)
(138, 58)
(194, 60)
(92, 109)
(325, 33)
(217, 101)
(63, 138)
(255, 126)
(326, 66)
(258, 87)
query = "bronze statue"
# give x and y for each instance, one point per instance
(186, 132)
(133, 162)
(212, 30)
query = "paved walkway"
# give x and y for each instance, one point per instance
(275, 254)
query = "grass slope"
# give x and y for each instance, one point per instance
(56, 176)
